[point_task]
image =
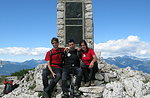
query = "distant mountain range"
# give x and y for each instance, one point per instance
(141, 64)
(8, 67)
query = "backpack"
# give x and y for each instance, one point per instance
(62, 54)
(8, 87)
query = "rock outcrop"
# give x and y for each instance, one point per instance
(112, 82)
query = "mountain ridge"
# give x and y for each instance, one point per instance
(8, 67)
(140, 64)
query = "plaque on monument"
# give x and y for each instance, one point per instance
(73, 9)
(74, 21)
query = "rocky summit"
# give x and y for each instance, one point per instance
(111, 82)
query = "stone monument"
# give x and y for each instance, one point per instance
(75, 21)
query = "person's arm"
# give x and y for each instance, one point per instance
(92, 62)
(49, 67)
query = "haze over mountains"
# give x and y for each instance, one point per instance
(141, 64)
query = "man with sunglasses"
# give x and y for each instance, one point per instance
(54, 59)
(71, 66)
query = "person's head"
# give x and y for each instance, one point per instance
(83, 45)
(71, 44)
(55, 42)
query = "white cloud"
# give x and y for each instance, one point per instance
(133, 38)
(23, 51)
(131, 46)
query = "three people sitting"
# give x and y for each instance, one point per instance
(61, 62)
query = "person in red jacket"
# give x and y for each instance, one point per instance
(10, 82)
(54, 59)
(89, 63)
(5, 82)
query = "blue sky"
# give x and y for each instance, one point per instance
(26, 27)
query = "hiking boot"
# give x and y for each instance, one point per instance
(76, 93)
(65, 95)
(87, 84)
(92, 83)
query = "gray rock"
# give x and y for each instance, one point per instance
(92, 89)
(89, 29)
(113, 90)
(88, 22)
(60, 6)
(60, 33)
(60, 14)
(60, 21)
(106, 77)
(99, 76)
(89, 35)
(88, 15)
(88, 7)
(147, 96)
(60, 27)
(88, 1)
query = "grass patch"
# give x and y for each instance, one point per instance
(32, 86)
(27, 79)
(146, 81)
(21, 73)
(2, 78)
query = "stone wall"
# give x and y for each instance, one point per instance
(88, 22)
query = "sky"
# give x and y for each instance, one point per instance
(121, 27)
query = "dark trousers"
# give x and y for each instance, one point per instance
(46, 72)
(77, 71)
(89, 73)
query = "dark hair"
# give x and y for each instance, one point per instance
(71, 40)
(54, 39)
(83, 41)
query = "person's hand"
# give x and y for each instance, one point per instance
(91, 65)
(54, 75)
(79, 49)
(66, 49)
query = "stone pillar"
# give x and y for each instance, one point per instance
(87, 20)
